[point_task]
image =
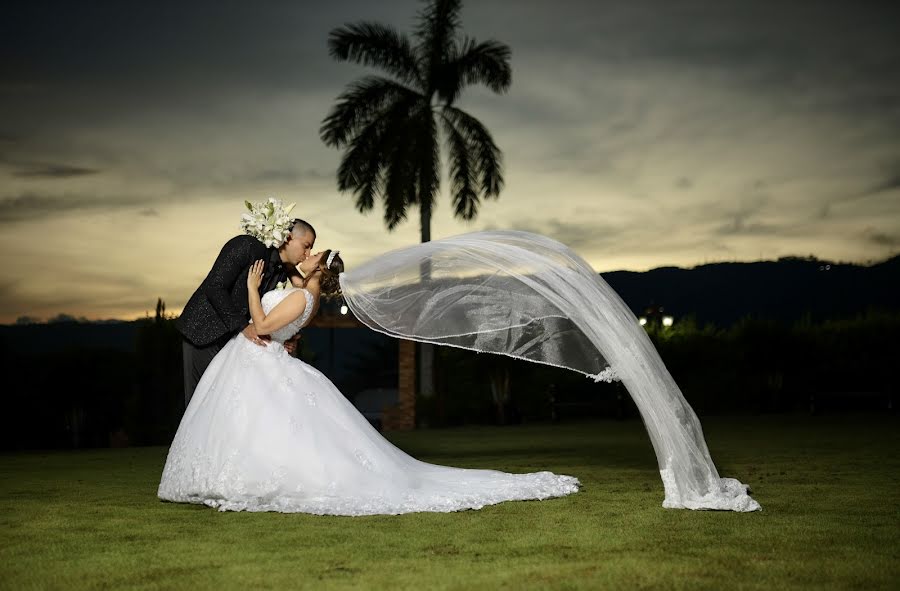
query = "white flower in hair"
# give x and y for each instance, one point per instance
(268, 221)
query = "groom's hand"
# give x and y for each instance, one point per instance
(250, 332)
(290, 345)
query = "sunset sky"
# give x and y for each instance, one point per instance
(641, 133)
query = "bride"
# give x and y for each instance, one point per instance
(267, 432)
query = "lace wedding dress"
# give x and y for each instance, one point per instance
(267, 432)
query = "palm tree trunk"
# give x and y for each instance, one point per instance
(426, 351)
(425, 220)
(499, 378)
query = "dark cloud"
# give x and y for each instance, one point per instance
(171, 51)
(8, 143)
(189, 183)
(684, 183)
(888, 184)
(576, 235)
(186, 183)
(285, 175)
(195, 181)
(794, 46)
(741, 221)
(39, 170)
(28, 206)
(199, 47)
(881, 238)
(7, 287)
(736, 214)
(739, 228)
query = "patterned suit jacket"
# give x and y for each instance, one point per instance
(219, 308)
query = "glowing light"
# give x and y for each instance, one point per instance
(642, 320)
(668, 320)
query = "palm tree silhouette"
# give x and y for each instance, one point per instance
(389, 127)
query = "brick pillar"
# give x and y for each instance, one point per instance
(402, 416)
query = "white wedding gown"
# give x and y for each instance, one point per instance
(267, 432)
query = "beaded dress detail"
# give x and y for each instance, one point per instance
(267, 432)
(273, 298)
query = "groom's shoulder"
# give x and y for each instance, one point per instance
(244, 242)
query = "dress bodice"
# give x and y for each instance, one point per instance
(273, 298)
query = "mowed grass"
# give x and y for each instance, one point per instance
(828, 487)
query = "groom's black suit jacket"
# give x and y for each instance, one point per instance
(219, 308)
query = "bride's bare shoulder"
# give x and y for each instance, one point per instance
(294, 298)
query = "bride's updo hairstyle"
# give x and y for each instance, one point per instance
(330, 284)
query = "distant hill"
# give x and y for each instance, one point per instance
(787, 289)
(721, 293)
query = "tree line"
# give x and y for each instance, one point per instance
(98, 397)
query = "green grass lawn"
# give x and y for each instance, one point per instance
(828, 487)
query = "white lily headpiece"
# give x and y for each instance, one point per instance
(268, 221)
(331, 256)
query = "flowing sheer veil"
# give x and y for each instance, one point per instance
(527, 296)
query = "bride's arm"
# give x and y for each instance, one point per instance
(282, 314)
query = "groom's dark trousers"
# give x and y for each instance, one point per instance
(196, 360)
(219, 309)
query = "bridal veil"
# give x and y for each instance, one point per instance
(530, 297)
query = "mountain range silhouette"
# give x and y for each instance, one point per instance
(788, 290)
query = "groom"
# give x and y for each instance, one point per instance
(219, 308)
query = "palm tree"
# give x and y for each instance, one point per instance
(389, 126)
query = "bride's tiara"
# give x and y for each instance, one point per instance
(331, 256)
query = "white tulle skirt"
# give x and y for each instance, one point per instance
(266, 432)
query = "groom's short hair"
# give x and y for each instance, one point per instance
(298, 224)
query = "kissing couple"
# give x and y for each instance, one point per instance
(265, 431)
